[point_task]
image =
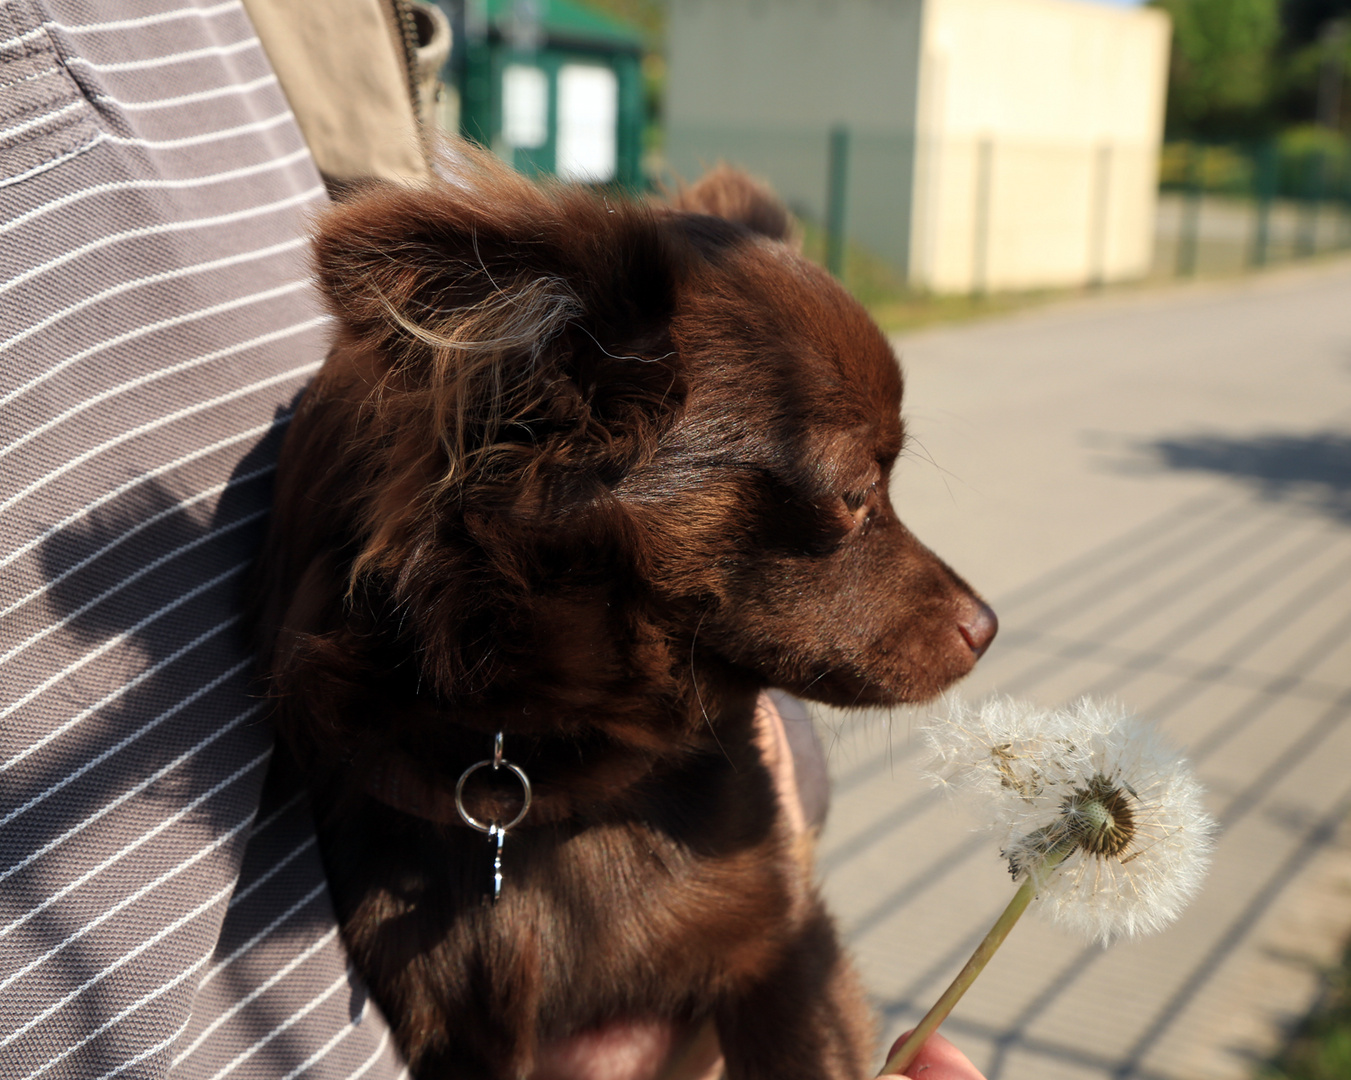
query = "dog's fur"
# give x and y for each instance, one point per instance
(592, 474)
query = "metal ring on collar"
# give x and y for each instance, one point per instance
(475, 823)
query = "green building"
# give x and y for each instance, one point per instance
(551, 85)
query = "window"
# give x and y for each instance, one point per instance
(588, 112)
(525, 106)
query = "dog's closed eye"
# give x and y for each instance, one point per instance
(863, 501)
(862, 505)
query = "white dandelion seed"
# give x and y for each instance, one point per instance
(1101, 823)
(1097, 786)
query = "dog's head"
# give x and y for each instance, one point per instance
(615, 440)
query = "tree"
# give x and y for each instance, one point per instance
(1317, 60)
(1305, 19)
(1223, 75)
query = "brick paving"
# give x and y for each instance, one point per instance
(1155, 494)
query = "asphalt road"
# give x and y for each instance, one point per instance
(1154, 492)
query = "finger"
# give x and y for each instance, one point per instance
(938, 1060)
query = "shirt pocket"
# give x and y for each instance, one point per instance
(44, 119)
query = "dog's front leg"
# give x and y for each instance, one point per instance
(806, 1019)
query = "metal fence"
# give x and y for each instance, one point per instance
(1224, 207)
(985, 213)
(847, 182)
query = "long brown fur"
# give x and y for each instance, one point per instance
(590, 473)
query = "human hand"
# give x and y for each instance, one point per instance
(937, 1060)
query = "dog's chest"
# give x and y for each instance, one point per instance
(628, 917)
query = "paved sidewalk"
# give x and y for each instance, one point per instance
(1155, 494)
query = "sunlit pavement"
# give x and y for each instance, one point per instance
(1154, 492)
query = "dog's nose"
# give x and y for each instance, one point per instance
(978, 624)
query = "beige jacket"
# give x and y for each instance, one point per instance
(362, 77)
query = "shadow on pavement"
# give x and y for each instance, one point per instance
(1314, 469)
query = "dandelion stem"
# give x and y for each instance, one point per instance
(906, 1053)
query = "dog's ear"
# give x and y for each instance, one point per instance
(401, 266)
(732, 195)
(525, 319)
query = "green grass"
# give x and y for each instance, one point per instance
(1320, 1048)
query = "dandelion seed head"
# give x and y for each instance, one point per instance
(1092, 784)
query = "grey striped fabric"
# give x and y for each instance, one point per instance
(162, 905)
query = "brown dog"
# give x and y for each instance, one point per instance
(589, 475)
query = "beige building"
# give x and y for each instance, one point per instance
(987, 144)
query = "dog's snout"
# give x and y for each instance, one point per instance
(978, 624)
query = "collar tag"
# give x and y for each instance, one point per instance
(497, 832)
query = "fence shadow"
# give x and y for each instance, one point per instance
(1313, 469)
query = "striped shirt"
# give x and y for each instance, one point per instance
(162, 903)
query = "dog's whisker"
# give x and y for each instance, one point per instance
(699, 695)
(816, 680)
(836, 734)
(927, 457)
(891, 743)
